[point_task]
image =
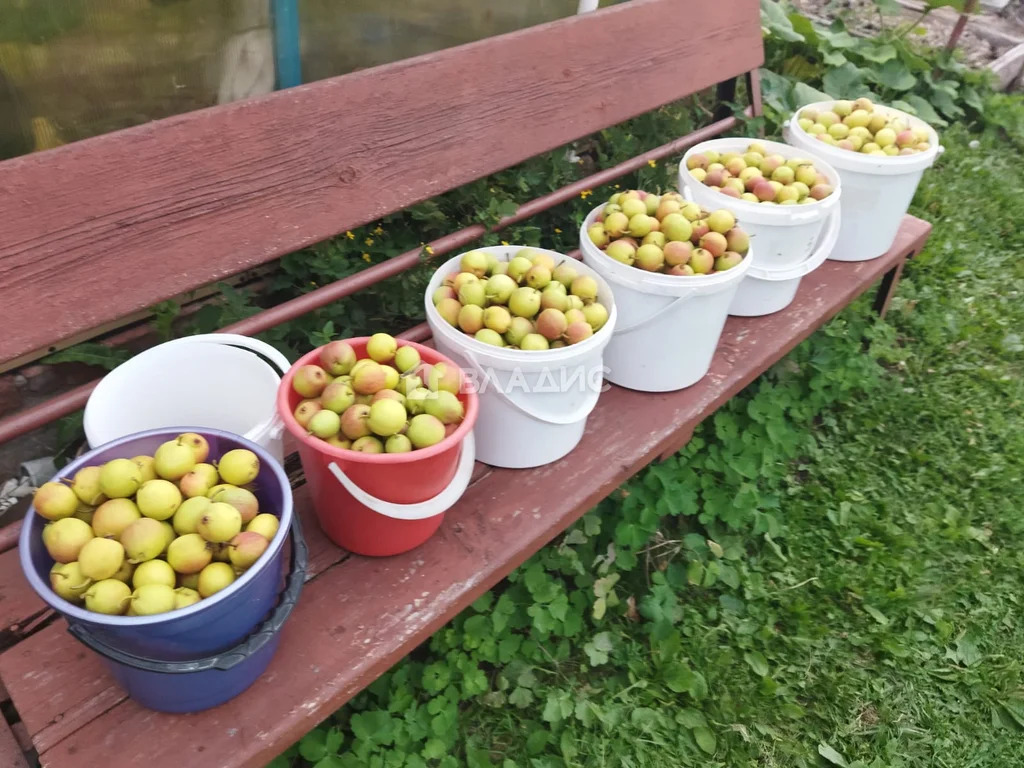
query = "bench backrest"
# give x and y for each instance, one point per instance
(102, 228)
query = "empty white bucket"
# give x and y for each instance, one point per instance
(785, 235)
(669, 325)
(768, 289)
(218, 380)
(533, 403)
(876, 190)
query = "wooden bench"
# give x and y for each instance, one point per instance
(133, 218)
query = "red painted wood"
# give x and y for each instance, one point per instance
(19, 605)
(11, 751)
(682, 438)
(29, 419)
(11, 755)
(155, 210)
(21, 734)
(9, 536)
(61, 683)
(345, 634)
(323, 553)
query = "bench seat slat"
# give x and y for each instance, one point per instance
(11, 755)
(19, 605)
(361, 615)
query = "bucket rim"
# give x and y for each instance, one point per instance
(251, 344)
(70, 610)
(875, 165)
(271, 359)
(759, 213)
(520, 357)
(657, 283)
(450, 441)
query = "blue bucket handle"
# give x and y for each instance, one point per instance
(238, 654)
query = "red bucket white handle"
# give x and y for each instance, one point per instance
(422, 509)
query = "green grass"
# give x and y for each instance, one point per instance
(830, 574)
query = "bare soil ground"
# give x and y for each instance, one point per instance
(989, 33)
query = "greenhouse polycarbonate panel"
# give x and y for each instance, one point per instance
(70, 69)
(367, 33)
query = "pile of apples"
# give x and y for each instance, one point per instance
(152, 534)
(760, 177)
(665, 233)
(860, 126)
(527, 302)
(387, 402)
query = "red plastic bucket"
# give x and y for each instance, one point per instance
(385, 503)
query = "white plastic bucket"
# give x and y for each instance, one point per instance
(533, 403)
(785, 235)
(669, 325)
(876, 190)
(217, 380)
(770, 289)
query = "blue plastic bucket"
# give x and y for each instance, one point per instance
(192, 686)
(209, 627)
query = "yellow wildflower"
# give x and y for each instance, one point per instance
(558, 231)
(366, 258)
(504, 242)
(586, 193)
(652, 163)
(378, 230)
(349, 235)
(430, 250)
(369, 241)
